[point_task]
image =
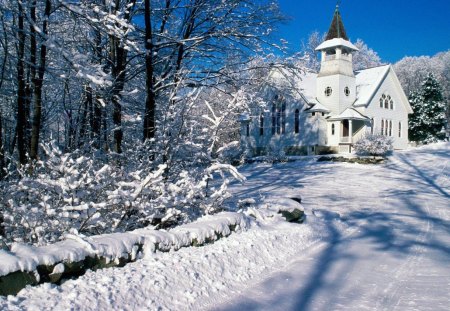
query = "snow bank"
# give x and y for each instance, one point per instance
(115, 249)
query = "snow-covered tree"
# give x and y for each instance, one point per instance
(412, 71)
(428, 119)
(365, 57)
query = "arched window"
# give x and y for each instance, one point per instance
(297, 121)
(382, 127)
(261, 124)
(399, 129)
(333, 129)
(391, 102)
(283, 118)
(274, 118)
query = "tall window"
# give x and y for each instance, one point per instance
(261, 124)
(390, 128)
(283, 118)
(399, 129)
(297, 121)
(274, 118)
(247, 130)
(333, 129)
(278, 120)
(382, 127)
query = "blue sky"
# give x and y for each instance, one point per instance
(393, 28)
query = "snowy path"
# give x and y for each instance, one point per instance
(398, 258)
(388, 250)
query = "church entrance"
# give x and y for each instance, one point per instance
(345, 128)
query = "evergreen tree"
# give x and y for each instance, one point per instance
(428, 119)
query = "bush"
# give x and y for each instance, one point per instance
(374, 145)
(104, 193)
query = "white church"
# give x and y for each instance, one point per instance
(334, 108)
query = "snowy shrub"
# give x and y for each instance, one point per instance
(276, 153)
(374, 144)
(101, 193)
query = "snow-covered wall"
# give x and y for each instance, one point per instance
(29, 265)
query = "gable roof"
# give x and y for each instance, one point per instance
(318, 108)
(368, 82)
(349, 114)
(337, 29)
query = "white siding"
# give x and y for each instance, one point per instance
(398, 114)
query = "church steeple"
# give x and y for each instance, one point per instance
(336, 82)
(337, 29)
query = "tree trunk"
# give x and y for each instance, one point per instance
(150, 102)
(21, 111)
(119, 59)
(2, 155)
(37, 84)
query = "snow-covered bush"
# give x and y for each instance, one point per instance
(102, 193)
(374, 144)
(276, 153)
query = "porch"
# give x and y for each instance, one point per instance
(352, 125)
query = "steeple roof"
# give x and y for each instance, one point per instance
(337, 29)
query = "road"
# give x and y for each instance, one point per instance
(395, 253)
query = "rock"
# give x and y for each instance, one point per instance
(295, 215)
(12, 283)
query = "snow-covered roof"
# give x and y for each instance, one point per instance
(336, 42)
(307, 86)
(367, 83)
(318, 108)
(349, 114)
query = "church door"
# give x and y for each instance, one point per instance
(345, 128)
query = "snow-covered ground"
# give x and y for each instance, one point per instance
(377, 238)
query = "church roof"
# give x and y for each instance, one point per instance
(367, 83)
(349, 114)
(337, 29)
(318, 108)
(336, 42)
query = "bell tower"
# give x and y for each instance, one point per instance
(336, 82)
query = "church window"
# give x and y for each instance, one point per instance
(274, 118)
(278, 121)
(328, 91)
(390, 128)
(333, 129)
(261, 124)
(399, 129)
(297, 121)
(279, 116)
(381, 103)
(382, 127)
(346, 91)
(392, 104)
(247, 130)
